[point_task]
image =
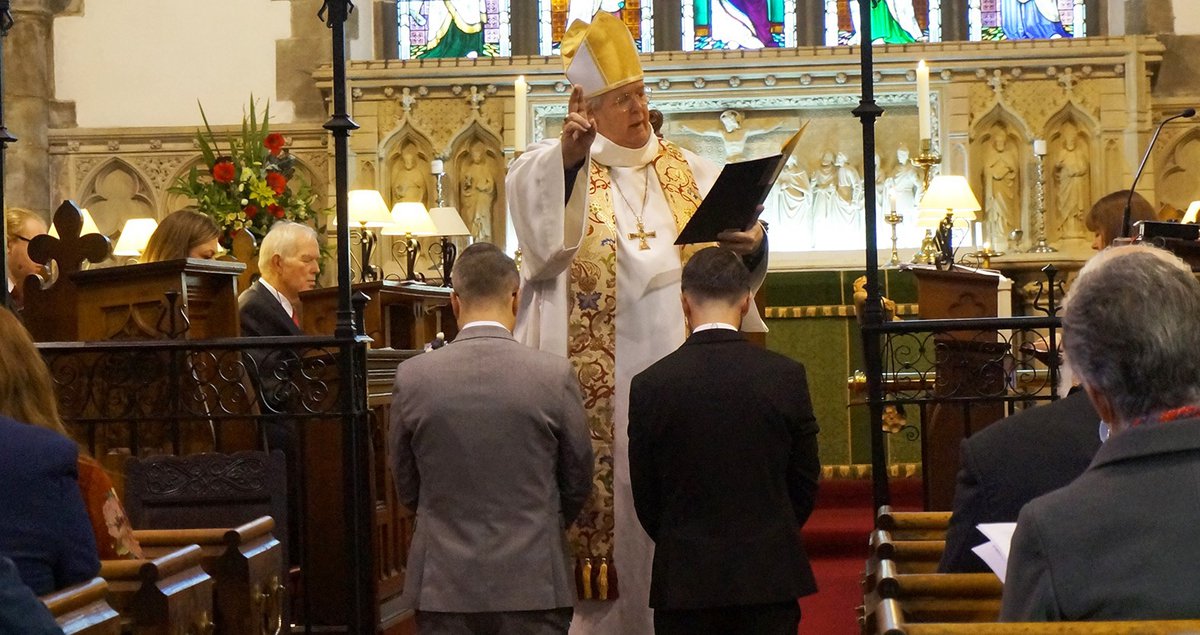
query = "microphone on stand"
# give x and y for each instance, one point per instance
(1190, 112)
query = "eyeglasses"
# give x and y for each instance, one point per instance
(625, 102)
(20, 237)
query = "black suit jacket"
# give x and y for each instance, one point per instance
(1013, 461)
(261, 314)
(723, 463)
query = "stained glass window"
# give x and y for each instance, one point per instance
(738, 24)
(453, 28)
(554, 16)
(892, 21)
(1026, 19)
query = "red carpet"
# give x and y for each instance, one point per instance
(835, 537)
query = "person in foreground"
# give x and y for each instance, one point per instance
(1119, 543)
(724, 467)
(185, 233)
(44, 527)
(489, 446)
(596, 214)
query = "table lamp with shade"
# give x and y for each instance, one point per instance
(410, 219)
(367, 212)
(134, 236)
(947, 197)
(449, 223)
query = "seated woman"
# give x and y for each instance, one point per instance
(1107, 214)
(27, 396)
(183, 234)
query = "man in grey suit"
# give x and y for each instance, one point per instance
(1119, 542)
(490, 447)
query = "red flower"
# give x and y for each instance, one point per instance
(275, 210)
(274, 143)
(277, 182)
(223, 171)
(251, 211)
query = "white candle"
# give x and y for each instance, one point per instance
(1039, 147)
(520, 106)
(436, 166)
(923, 114)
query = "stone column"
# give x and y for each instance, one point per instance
(524, 22)
(297, 57)
(668, 25)
(29, 91)
(954, 21)
(1149, 17)
(810, 23)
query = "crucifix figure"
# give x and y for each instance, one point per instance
(641, 235)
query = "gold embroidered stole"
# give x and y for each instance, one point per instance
(591, 347)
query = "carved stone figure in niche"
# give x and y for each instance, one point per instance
(1072, 185)
(117, 196)
(850, 187)
(826, 205)
(904, 183)
(410, 175)
(477, 189)
(793, 204)
(1001, 185)
(733, 133)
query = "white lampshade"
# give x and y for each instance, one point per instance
(134, 237)
(1192, 212)
(410, 217)
(947, 194)
(367, 209)
(89, 225)
(448, 222)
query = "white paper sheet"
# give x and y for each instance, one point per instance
(994, 552)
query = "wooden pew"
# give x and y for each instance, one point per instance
(910, 556)
(932, 597)
(890, 618)
(165, 595)
(244, 563)
(83, 609)
(913, 525)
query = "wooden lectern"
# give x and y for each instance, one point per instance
(968, 364)
(397, 315)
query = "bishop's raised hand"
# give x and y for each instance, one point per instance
(579, 130)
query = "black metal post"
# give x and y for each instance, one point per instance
(868, 111)
(6, 23)
(360, 616)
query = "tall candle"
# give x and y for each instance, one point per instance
(436, 166)
(520, 106)
(923, 114)
(1039, 147)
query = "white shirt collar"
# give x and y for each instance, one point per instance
(482, 323)
(283, 301)
(609, 153)
(714, 325)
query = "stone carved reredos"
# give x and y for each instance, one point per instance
(439, 118)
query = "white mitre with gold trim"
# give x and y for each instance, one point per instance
(600, 56)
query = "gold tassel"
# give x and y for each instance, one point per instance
(587, 578)
(603, 581)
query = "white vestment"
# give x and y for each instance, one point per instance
(649, 317)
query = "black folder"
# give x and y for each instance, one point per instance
(733, 201)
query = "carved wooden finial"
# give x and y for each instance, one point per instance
(70, 249)
(244, 249)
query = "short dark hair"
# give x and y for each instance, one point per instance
(716, 273)
(1107, 215)
(484, 272)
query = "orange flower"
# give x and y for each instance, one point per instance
(251, 211)
(223, 171)
(275, 210)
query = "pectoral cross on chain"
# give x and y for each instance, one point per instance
(641, 235)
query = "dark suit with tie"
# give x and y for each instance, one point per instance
(1119, 542)
(723, 463)
(1013, 461)
(490, 447)
(44, 527)
(262, 315)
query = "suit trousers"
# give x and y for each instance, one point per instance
(745, 619)
(547, 622)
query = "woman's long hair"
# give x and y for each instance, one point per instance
(26, 390)
(178, 234)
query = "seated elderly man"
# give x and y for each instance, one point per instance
(1120, 541)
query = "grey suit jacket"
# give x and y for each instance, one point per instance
(490, 446)
(1118, 543)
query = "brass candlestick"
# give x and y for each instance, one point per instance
(925, 160)
(894, 219)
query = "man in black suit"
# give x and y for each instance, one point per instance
(1012, 462)
(723, 463)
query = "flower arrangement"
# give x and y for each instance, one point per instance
(251, 181)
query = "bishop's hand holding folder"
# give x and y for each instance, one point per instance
(736, 199)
